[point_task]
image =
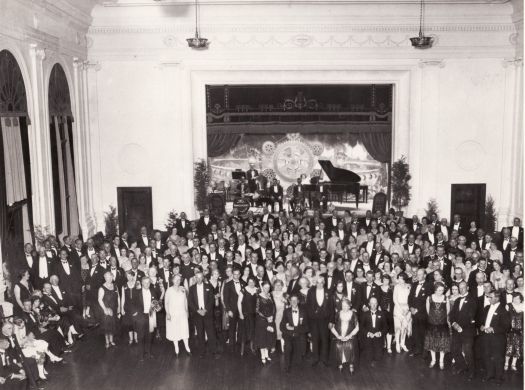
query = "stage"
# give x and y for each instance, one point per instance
(91, 367)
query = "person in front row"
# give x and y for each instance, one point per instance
(373, 329)
(142, 308)
(345, 331)
(495, 325)
(294, 328)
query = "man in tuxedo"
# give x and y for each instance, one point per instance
(231, 292)
(183, 225)
(9, 369)
(58, 299)
(332, 222)
(200, 304)
(294, 328)
(276, 195)
(293, 286)
(141, 309)
(70, 281)
(319, 309)
(373, 329)
(457, 225)
(204, 224)
(43, 268)
(366, 222)
(462, 318)
(143, 240)
(368, 290)
(417, 298)
(331, 277)
(297, 195)
(14, 353)
(510, 252)
(369, 244)
(411, 246)
(352, 291)
(516, 231)
(495, 324)
(76, 253)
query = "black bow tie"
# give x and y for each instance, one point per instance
(64, 261)
(295, 311)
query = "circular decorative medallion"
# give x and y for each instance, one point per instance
(293, 159)
(269, 173)
(317, 148)
(268, 147)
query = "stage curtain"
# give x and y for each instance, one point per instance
(61, 177)
(15, 177)
(219, 144)
(378, 145)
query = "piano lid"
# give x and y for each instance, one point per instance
(338, 175)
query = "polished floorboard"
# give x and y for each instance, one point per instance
(91, 367)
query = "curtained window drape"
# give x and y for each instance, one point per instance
(15, 176)
(219, 144)
(378, 145)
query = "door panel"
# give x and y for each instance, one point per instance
(134, 210)
(468, 200)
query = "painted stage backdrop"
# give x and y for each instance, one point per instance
(289, 156)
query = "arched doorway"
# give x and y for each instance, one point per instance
(15, 170)
(62, 155)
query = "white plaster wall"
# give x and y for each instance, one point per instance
(456, 123)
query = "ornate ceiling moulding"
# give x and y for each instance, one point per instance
(150, 3)
(320, 28)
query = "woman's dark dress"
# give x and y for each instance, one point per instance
(127, 320)
(265, 308)
(437, 337)
(110, 299)
(386, 303)
(217, 309)
(248, 304)
(25, 293)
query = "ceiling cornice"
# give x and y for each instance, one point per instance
(172, 3)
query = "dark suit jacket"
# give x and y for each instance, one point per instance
(316, 312)
(406, 247)
(466, 317)
(302, 327)
(193, 300)
(336, 277)
(71, 283)
(366, 323)
(374, 292)
(230, 297)
(137, 302)
(419, 301)
(182, 231)
(501, 324)
(293, 289)
(203, 228)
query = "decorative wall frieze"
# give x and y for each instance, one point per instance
(302, 28)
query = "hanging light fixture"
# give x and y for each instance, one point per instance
(421, 41)
(197, 42)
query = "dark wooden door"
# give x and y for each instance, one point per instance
(134, 209)
(468, 200)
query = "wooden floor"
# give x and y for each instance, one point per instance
(91, 367)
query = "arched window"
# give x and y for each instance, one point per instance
(62, 154)
(15, 170)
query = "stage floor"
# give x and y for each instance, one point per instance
(91, 367)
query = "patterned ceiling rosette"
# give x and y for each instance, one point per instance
(268, 148)
(317, 148)
(292, 159)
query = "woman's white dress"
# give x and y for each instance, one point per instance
(402, 315)
(279, 311)
(177, 306)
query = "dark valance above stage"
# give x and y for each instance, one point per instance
(298, 127)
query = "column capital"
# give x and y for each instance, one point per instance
(35, 50)
(87, 65)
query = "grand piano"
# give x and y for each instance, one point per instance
(342, 183)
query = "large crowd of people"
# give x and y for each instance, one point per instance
(323, 288)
